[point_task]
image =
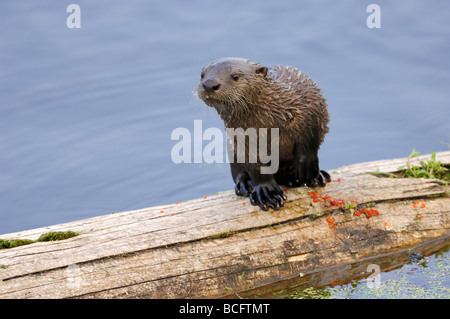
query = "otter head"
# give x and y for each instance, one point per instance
(231, 84)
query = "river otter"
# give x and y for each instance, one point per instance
(249, 95)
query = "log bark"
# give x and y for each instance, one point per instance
(221, 246)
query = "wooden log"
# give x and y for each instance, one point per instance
(222, 246)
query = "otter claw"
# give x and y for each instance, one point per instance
(324, 175)
(268, 195)
(243, 186)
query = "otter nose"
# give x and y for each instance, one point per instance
(211, 85)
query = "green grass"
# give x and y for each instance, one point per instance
(426, 169)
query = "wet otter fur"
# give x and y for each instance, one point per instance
(249, 95)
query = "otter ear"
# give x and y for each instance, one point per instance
(262, 70)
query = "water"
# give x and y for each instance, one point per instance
(424, 278)
(86, 114)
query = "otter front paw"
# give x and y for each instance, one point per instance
(324, 177)
(243, 185)
(306, 171)
(268, 195)
(310, 181)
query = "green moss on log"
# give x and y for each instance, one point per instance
(51, 236)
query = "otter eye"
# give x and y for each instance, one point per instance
(235, 77)
(202, 75)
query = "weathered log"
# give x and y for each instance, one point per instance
(221, 246)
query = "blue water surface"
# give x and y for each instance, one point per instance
(86, 114)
